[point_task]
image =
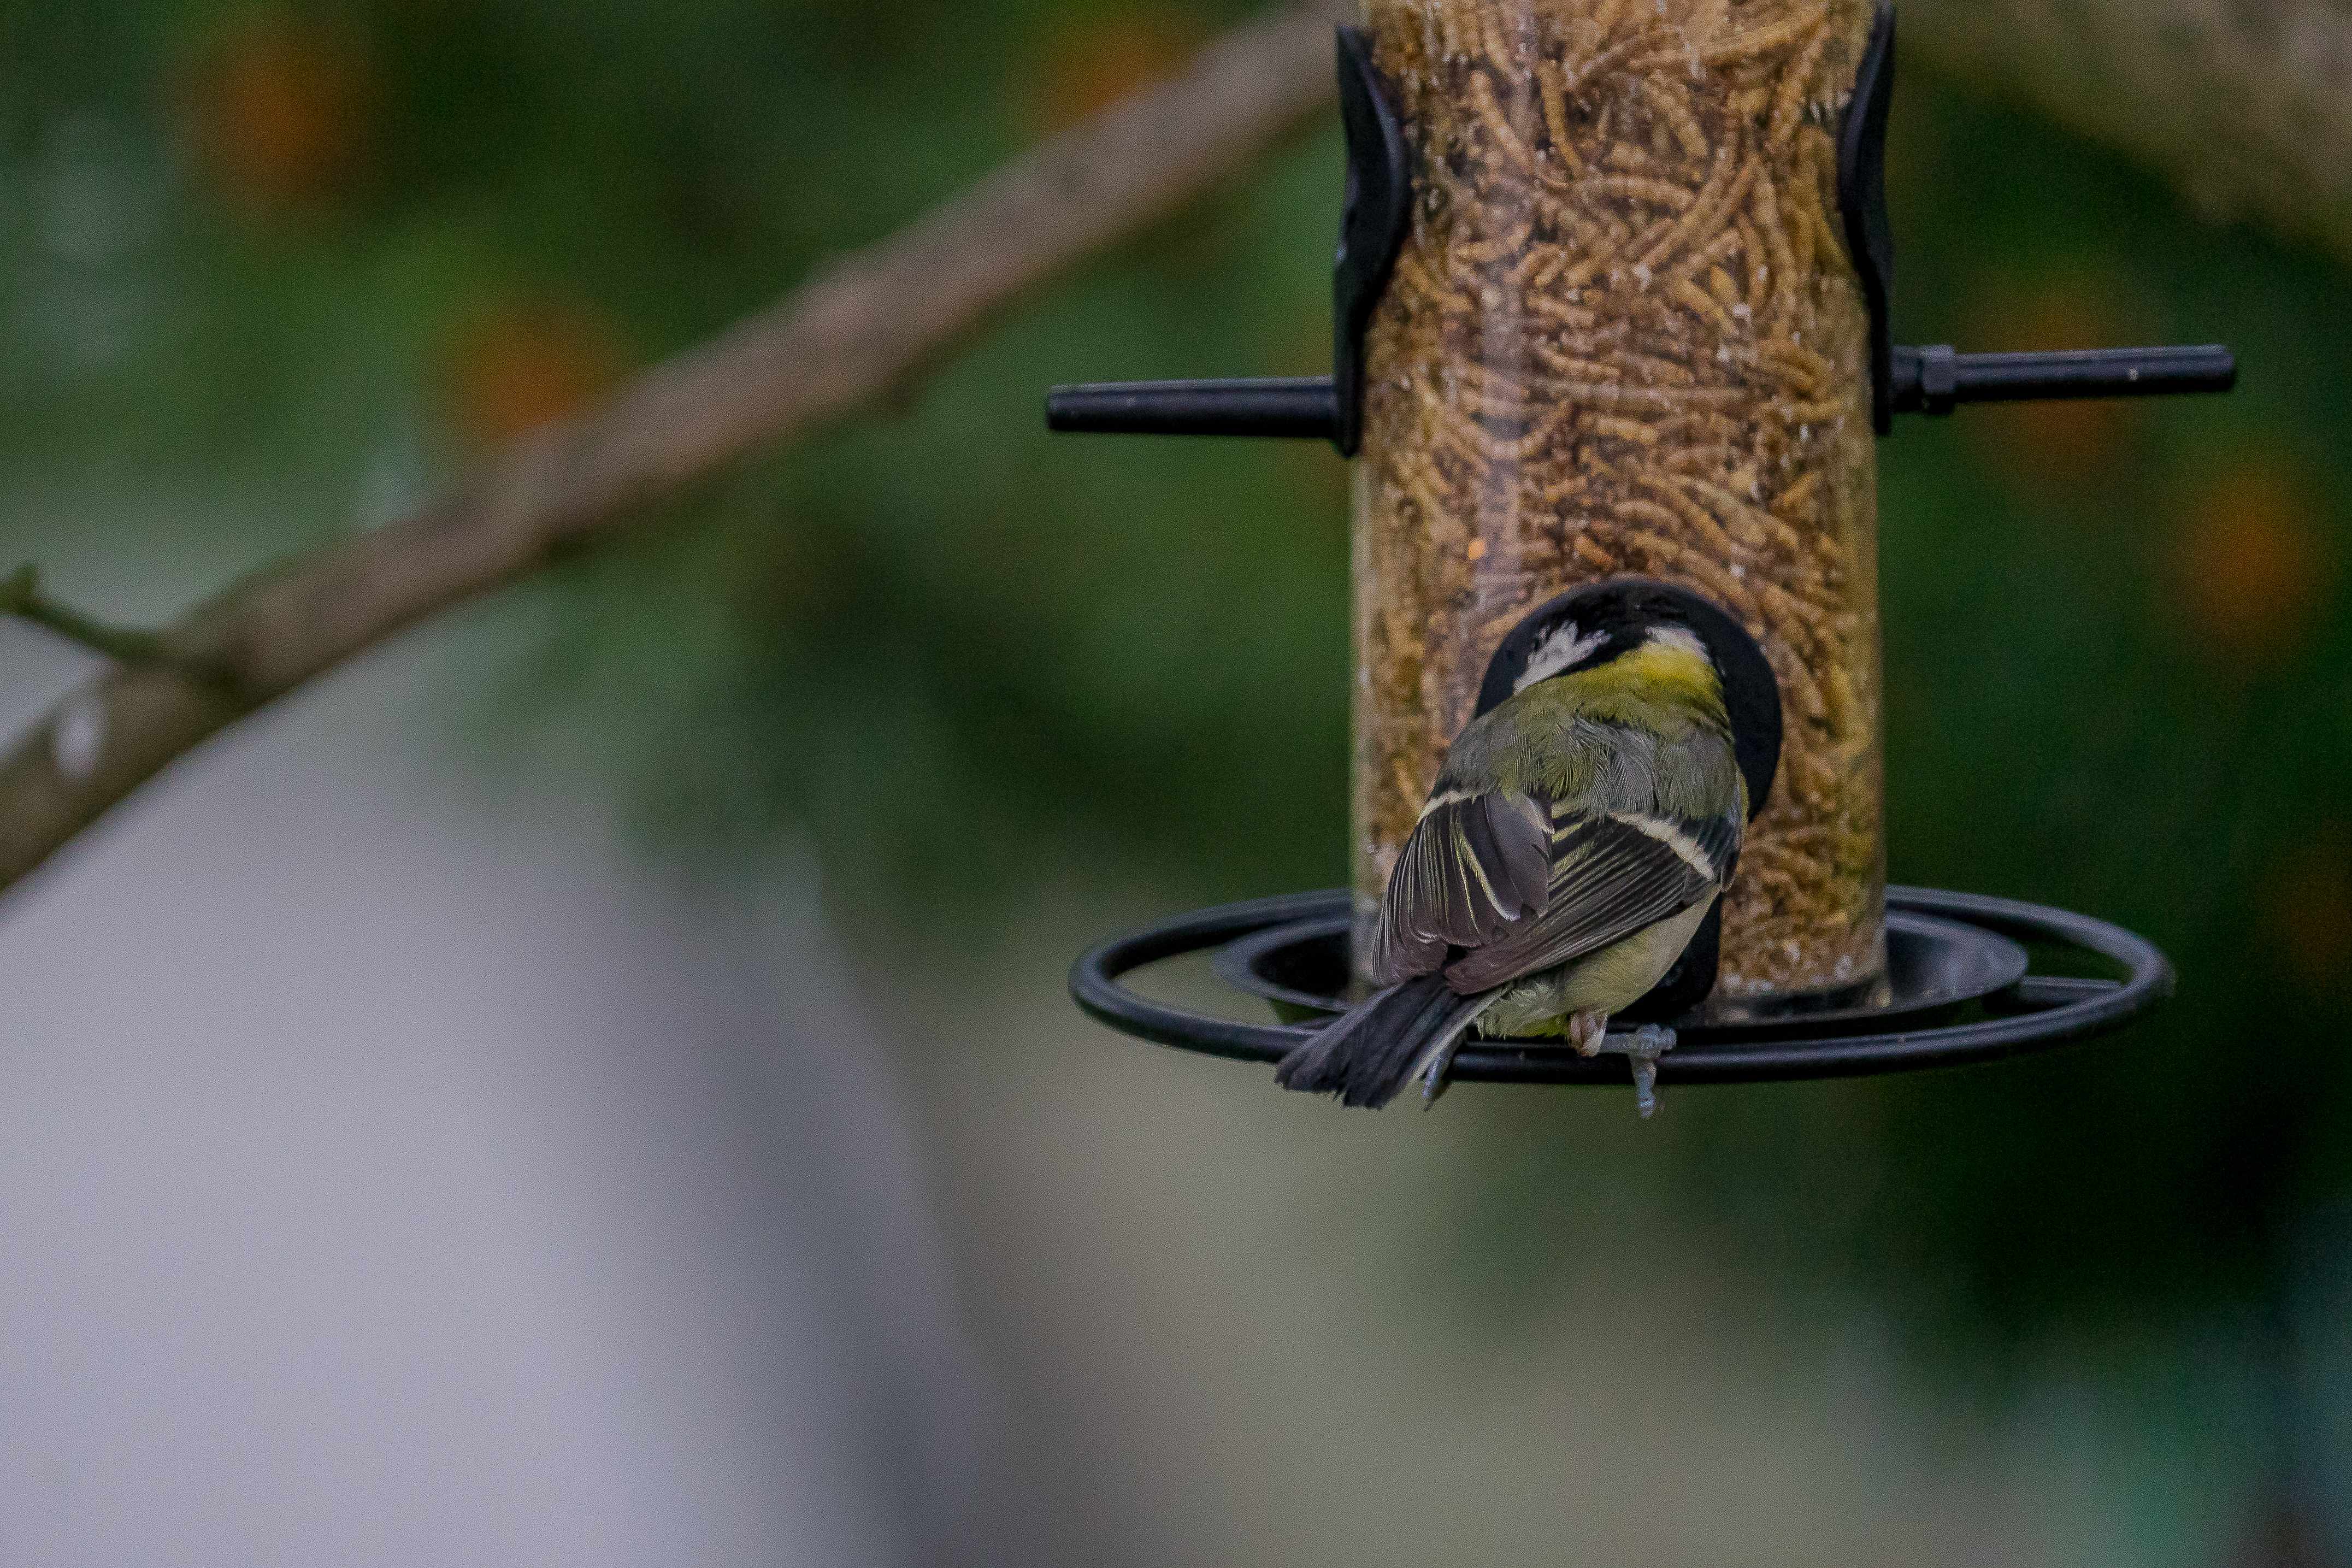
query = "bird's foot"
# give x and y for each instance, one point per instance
(1588, 1032)
(1642, 1052)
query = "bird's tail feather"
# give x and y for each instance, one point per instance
(1369, 1056)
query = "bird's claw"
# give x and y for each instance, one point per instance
(1642, 1051)
(1588, 1033)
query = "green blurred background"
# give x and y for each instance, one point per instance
(271, 274)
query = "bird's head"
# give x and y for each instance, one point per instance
(1595, 626)
(1603, 625)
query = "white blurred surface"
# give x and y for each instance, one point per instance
(385, 1180)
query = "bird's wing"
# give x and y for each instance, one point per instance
(1612, 873)
(1475, 864)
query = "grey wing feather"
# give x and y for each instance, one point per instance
(1611, 875)
(1475, 866)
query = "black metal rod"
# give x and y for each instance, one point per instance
(1935, 380)
(1305, 407)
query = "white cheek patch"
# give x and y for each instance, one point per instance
(1562, 651)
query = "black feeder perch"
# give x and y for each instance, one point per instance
(1609, 307)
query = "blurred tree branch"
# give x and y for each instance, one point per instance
(852, 337)
(2247, 104)
(21, 596)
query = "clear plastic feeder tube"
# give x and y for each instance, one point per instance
(1624, 337)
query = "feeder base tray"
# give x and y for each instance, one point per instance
(1961, 989)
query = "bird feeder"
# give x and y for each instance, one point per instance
(1611, 299)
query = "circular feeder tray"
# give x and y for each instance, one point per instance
(1934, 967)
(1961, 990)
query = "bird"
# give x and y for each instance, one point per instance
(1580, 831)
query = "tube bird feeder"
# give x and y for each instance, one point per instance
(1612, 299)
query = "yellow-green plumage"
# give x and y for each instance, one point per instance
(1577, 838)
(1644, 733)
(1630, 731)
(1606, 982)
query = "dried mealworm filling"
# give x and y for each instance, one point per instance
(1624, 336)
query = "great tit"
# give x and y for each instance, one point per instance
(1579, 834)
